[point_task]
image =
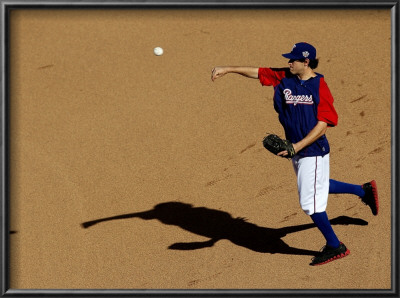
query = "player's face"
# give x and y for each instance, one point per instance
(297, 67)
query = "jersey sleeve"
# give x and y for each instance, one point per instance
(326, 111)
(271, 76)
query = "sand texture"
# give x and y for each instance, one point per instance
(167, 168)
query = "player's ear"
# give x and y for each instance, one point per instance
(306, 62)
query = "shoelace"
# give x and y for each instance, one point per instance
(322, 249)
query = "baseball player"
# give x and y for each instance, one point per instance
(305, 108)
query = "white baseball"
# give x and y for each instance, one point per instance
(158, 51)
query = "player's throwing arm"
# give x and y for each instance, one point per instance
(247, 71)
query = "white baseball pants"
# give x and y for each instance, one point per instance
(312, 182)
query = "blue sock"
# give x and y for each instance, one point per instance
(341, 187)
(323, 224)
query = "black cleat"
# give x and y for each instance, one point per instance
(371, 196)
(329, 254)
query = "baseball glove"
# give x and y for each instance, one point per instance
(275, 144)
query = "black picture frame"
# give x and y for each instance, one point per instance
(7, 6)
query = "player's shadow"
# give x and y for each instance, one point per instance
(218, 225)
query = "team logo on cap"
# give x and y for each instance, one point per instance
(306, 54)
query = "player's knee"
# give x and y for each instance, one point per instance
(307, 210)
(310, 209)
(312, 206)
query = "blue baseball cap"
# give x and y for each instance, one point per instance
(302, 50)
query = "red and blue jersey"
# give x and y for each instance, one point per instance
(300, 105)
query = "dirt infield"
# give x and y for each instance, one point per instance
(135, 171)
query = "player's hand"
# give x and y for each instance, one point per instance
(218, 72)
(284, 153)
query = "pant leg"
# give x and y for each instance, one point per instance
(312, 182)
